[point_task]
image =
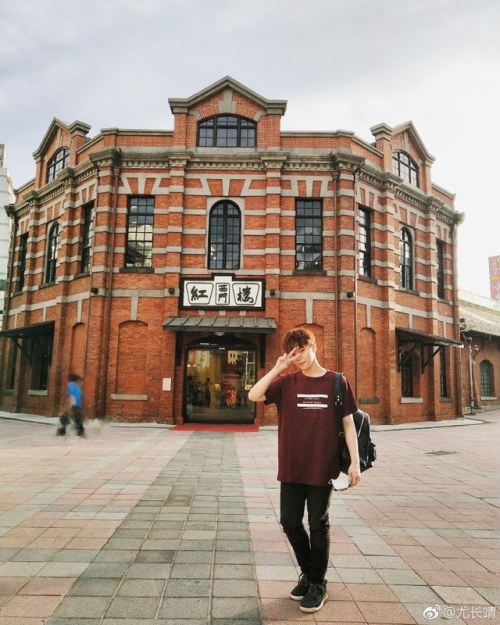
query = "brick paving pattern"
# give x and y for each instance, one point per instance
(154, 526)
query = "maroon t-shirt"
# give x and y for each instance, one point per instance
(308, 434)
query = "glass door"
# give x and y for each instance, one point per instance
(217, 381)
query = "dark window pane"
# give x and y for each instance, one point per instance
(224, 236)
(140, 232)
(227, 131)
(308, 235)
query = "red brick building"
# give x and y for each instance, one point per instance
(165, 265)
(480, 325)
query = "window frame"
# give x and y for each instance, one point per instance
(443, 373)
(440, 249)
(41, 360)
(214, 137)
(149, 203)
(364, 242)
(407, 372)
(51, 253)
(21, 261)
(87, 237)
(57, 163)
(486, 379)
(405, 167)
(406, 259)
(226, 254)
(303, 222)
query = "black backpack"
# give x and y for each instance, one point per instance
(367, 451)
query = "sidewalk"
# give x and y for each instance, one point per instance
(155, 526)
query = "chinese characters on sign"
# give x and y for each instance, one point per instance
(222, 292)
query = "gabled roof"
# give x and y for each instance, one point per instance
(409, 128)
(182, 105)
(76, 127)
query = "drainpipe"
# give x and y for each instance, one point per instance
(456, 316)
(89, 307)
(356, 264)
(335, 178)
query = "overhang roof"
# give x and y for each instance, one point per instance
(37, 329)
(480, 320)
(407, 335)
(256, 325)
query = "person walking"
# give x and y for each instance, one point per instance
(73, 406)
(308, 455)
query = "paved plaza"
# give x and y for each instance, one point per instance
(151, 525)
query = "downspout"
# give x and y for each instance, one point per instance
(335, 178)
(356, 266)
(109, 284)
(456, 317)
(89, 307)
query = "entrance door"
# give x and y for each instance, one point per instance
(219, 373)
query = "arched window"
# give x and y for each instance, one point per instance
(405, 167)
(224, 235)
(57, 163)
(227, 131)
(486, 372)
(50, 264)
(406, 259)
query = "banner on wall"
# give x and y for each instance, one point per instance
(494, 262)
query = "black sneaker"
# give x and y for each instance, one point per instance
(315, 598)
(61, 432)
(300, 590)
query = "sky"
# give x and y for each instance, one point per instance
(340, 64)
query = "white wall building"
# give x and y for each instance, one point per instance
(6, 197)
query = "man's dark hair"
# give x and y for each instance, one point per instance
(73, 377)
(298, 337)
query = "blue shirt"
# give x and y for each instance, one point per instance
(75, 391)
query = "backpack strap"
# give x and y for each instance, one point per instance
(338, 398)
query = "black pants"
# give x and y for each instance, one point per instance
(76, 417)
(312, 551)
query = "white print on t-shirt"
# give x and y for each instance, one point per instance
(311, 401)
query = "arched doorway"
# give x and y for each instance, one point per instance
(219, 371)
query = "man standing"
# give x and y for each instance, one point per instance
(308, 455)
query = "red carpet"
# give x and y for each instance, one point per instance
(216, 427)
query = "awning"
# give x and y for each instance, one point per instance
(406, 335)
(415, 339)
(249, 325)
(37, 329)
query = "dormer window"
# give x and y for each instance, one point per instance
(405, 167)
(57, 163)
(227, 131)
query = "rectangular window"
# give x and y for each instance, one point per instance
(443, 377)
(41, 351)
(21, 261)
(440, 269)
(87, 237)
(309, 235)
(364, 243)
(11, 366)
(140, 231)
(406, 375)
